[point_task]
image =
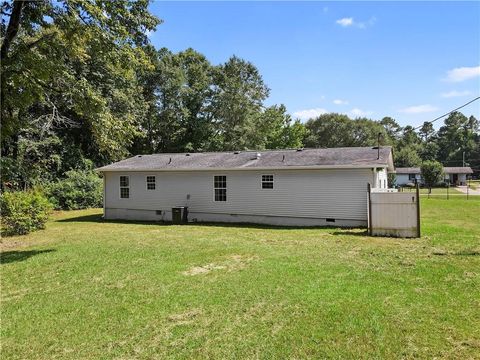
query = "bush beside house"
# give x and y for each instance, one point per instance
(80, 189)
(26, 211)
(23, 211)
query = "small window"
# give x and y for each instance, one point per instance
(267, 181)
(411, 177)
(124, 181)
(220, 187)
(150, 182)
(124, 187)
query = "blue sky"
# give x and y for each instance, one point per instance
(413, 61)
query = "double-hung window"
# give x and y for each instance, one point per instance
(267, 181)
(124, 187)
(151, 182)
(220, 187)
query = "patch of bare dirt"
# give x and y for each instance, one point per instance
(184, 317)
(234, 262)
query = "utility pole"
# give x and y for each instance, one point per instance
(463, 159)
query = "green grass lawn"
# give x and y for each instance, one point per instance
(87, 289)
(437, 191)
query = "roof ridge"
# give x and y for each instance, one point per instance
(266, 150)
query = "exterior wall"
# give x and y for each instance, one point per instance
(403, 179)
(381, 179)
(461, 180)
(151, 215)
(297, 195)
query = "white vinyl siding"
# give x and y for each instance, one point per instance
(337, 194)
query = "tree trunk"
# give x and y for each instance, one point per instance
(12, 28)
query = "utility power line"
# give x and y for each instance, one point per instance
(458, 108)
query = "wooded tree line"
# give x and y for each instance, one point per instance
(82, 86)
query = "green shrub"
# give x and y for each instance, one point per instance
(23, 211)
(80, 189)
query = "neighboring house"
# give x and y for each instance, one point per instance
(453, 175)
(280, 187)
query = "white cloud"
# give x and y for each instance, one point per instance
(356, 112)
(462, 73)
(455, 93)
(419, 109)
(309, 113)
(340, 102)
(345, 22)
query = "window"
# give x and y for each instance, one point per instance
(267, 181)
(124, 187)
(220, 187)
(411, 177)
(151, 182)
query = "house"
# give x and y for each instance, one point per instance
(304, 187)
(453, 175)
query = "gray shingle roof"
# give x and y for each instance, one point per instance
(447, 170)
(274, 159)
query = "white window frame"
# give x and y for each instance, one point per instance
(261, 181)
(154, 182)
(124, 187)
(215, 188)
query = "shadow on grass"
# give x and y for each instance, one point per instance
(7, 257)
(97, 218)
(351, 232)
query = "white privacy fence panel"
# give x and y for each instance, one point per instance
(394, 214)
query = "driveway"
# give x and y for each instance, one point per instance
(471, 191)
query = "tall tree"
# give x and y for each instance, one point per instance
(392, 128)
(72, 61)
(432, 173)
(407, 157)
(456, 137)
(338, 130)
(277, 130)
(237, 101)
(426, 131)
